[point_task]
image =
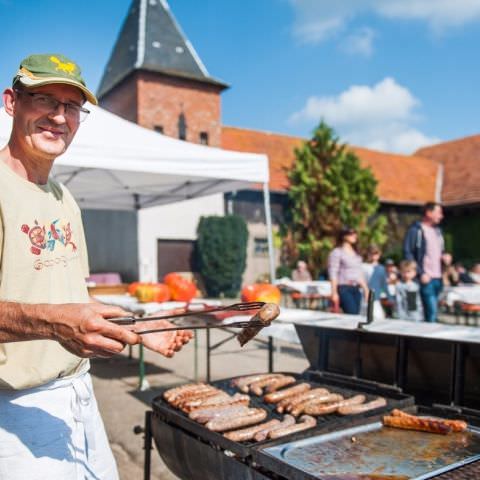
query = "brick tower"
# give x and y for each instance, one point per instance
(155, 78)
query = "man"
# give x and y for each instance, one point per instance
(424, 243)
(49, 422)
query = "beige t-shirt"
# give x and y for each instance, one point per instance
(43, 259)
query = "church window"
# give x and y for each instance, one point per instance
(182, 127)
(204, 138)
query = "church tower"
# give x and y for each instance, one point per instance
(155, 78)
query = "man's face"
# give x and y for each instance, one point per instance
(435, 215)
(40, 133)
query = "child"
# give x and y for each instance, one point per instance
(376, 277)
(408, 305)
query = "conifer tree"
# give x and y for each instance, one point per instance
(329, 189)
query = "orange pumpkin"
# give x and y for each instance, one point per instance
(132, 288)
(161, 292)
(172, 278)
(144, 293)
(249, 293)
(261, 292)
(152, 292)
(183, 290)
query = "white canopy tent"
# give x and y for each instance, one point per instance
(115, 164)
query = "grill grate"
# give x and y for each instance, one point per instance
(324, 423)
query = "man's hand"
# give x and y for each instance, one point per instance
(83, 329)
(165, 343)
(424, 278)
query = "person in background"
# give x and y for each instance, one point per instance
(346, 273)
(463, 276)
(392, 276)
(450, 276)
(301, 273)
(475, 273)
(408, 304)
(376, 278)
(424, 243)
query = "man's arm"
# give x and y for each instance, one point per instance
(409, 244)
(82, 329)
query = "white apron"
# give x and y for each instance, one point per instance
(54, 432)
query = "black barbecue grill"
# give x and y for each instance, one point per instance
(346, 362)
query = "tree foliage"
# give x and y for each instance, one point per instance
(221, 253)
(329, 189)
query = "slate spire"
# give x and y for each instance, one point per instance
(151, 39)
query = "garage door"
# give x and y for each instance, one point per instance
(174, 256)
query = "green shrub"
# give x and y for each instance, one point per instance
(221, 253)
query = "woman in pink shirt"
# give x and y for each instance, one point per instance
(346, 273)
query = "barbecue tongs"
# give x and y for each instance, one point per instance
(236, 307)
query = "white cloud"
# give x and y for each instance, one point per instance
(381, 116)
(318, 20)
(359, 42)
(439, 14)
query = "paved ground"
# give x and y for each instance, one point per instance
(123, 406)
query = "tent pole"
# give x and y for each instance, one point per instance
(268, 220)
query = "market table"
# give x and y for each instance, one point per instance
(322, 287)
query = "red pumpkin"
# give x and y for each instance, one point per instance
(161, 292)
(249, 293)
(183, 290)
(261, 292)
(172, 278)
(132, 288)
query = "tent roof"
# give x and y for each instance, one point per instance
(116, 164)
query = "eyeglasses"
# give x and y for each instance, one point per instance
(48, 104)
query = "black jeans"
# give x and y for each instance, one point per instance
(350, 299)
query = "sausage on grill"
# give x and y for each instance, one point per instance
(265, 315)
(174, 392)
(221, 400)
(280, 383)
(228, 411)
(275, 397)
(323, 399)
(416, 423)
(455, 425)
(262, 435)
(242, 383)
(222, 424)
(290, 402)
(353, 409)
(326, 408)
(306, 422)
(249, 432)
(256, 387)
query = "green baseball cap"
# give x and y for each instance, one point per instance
(48, 68)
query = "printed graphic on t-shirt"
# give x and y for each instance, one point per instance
(56, 236)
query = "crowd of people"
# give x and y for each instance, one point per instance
(409, 290)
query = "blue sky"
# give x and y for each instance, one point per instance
(393, 75)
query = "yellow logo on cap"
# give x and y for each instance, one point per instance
(65, 67)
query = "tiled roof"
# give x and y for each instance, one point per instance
(461, 160)
(401, 178)
(151, 39)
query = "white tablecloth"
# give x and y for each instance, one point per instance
(321, 287)
(463, 293)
